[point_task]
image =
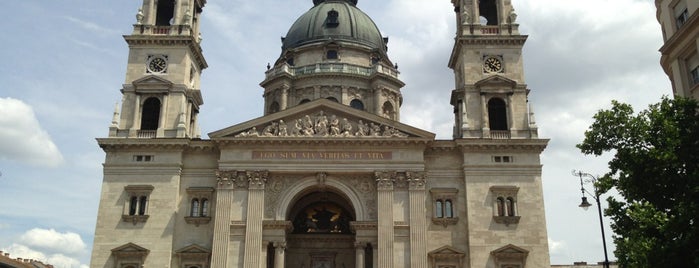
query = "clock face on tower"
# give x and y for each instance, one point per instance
(157, 64)
(492, 64)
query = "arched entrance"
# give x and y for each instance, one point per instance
(321, 236)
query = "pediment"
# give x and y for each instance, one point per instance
(193, 249)
(496, 81)
(510, 253)
(446, 252)
(322, 119)
(130, 250)
(152, 83)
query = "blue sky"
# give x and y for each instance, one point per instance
(65, 60)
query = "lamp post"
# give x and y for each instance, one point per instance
(585, 205)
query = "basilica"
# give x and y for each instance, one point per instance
(327, 176)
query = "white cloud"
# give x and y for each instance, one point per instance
(22, 138)
(555, 247)
(57, 260)
(68, 243)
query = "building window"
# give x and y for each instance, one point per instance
(489, 11)
(331, 55)
(692, 63)
(357, 104)
(199, 205)
(505, 204)
(446, 257)
(444, 206)
(332, 21)
(130, 256)
(502, 159)
(150, 115)
(274, 107)
(143, 158)
(497, 114)
(136, 205)
(681, 15)
(166, 11)
(194, 256)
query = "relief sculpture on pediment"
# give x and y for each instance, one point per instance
(323, 125)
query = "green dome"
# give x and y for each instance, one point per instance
(339, 20)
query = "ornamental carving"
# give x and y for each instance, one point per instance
(257, 179)
(416, 180)
(323, 125)
(366, 190)
(273, 190)
(384, 180)
(241, 179)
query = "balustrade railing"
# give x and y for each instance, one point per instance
(332, 68)
(490, 30)
(146, 134)
(500, 134)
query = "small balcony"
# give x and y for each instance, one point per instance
(172, 30)
(146, 134)
(500, 134)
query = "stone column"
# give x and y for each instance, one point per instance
(418, 222)
(511, 114)
(486, 121)
(359, 247)
(285, 98)
(253, 224)
(279, 248)
(384, 189)
(377, 101)
(222, 222)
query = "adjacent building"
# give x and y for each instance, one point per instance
(327, 176)
(679, 21)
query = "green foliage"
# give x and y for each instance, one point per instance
(655, 169)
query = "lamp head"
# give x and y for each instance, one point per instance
(584, 204)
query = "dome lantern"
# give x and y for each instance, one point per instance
(318, 2)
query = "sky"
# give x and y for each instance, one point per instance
(65, 62)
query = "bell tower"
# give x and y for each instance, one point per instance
(161, 96)
(490, 96)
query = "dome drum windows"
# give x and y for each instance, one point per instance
(444, 206)
(332, 20)
(505, 204)
(136, 203)
(199, 205)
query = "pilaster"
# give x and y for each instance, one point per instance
(255, 214)
(386, 237)
(222, 223)
(418, 222)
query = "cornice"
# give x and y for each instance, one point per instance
(112, 144)
(370, 141)
(170, 40)
(486, 145)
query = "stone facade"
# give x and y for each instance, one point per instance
(328, 176)
(679, 21)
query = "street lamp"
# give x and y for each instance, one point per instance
(585, 205)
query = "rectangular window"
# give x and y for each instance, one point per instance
(692, 63)
(143, 158)
(681, 14)
(136, 203)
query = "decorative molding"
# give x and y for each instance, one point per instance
(364, 225)
(272, 224)
(416, 180)
(384, 180)
(510, 254)
(197, 220)
(507, 220)
(445, 221)
(134, 218)
(322, 125)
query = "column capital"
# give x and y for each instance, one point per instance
(257, 179)
(360, 244)
(416, 180)
(279, 244)
(384, 180)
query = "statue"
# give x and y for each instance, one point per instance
(139, 16)
(282, 129)
(346, 128)
(334, 126)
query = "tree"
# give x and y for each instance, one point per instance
(655, 169)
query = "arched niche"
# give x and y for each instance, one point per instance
(310, 185)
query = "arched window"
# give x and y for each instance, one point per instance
(166, 11)
(511, 207)
(304, 101)
(332, 99)
(497, 114)
(388, 110)
(274, 107)
(438, 206)
(332, 21)
(357, 104)
(489, 10)
(501, 206)
(205, 207)
(448, 211)
(133, 205)
(195, 208)
(150, 115)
